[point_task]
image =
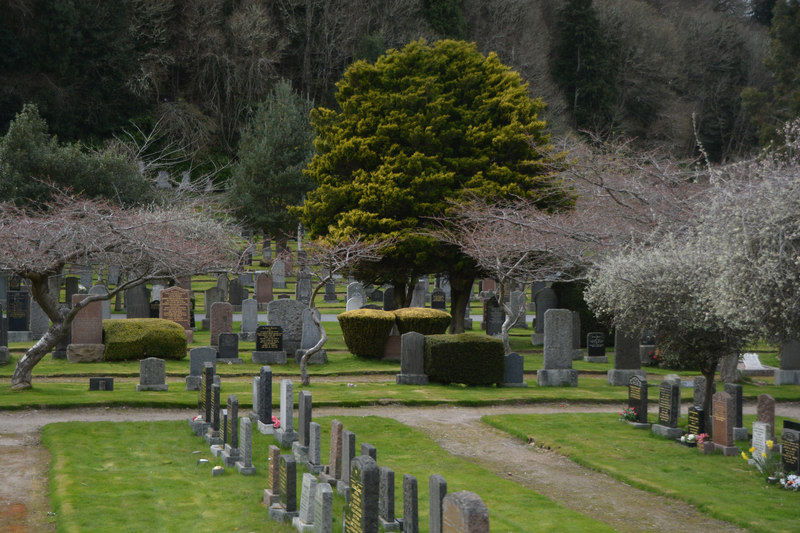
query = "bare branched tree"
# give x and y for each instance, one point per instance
(151, 243)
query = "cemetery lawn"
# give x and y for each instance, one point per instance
(726, 488)
(158, 486)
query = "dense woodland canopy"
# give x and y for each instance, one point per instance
(199, 68)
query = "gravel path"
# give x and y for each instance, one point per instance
(23, 493)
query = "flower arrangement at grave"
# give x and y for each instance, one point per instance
(791, 482)
(702, 437)
(689, 439)
(768, 463)
(628, 414)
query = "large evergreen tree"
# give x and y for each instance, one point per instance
(417, 129)
(274, 148)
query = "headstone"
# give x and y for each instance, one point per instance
(85, 273)
(19, 309)
(334, 472)
(212, 296)
(464, 512)
(272, 494)
(545, 299)
(765, 412)
(354, 303)
(303, 417)
(152, 375)
(155, 293)
(266, 249)
(72, 286)
(361, 514)
(286, 509)
(230, 454)
(285, 434)
(279, 274)
(626, 359)
(348, 454)
(264, 288)
(213, 432)
(176, 306)
(249, 316)
(197, 357)
(330, 292)
(697, 421)
(113, 274)
(323, 509)
(356, 288)
(386, 499)
(221, 320)
(789, 371)
(305, 520)
(761, 434)
(596, 347)
(495, 316)
(105, 305)
(437, 490)
(724, 416)
(410, 505)
(302, 292)
(790, 450)
(87, 326)
(222, 284)
(263, 400)
(637, 398)
(247, 279)
(388, 300)
(245, 463)
(314, 464)
(269, 346)
(557, 369)
(438, 300)
(412, 359)
(310, 337)
(669, 404)
(101, 384)
(288, 314)
(235, 293)
(155, 308)
(519, 305)
(419, 294)
(199, 426)
(514, 375)
(739, 431)
(228, 348)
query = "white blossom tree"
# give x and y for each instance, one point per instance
(151, 243)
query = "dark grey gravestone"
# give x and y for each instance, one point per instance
(697, 421)
(269, 346)
(106, 384)
(314, 462)
(412, 359)
(790, 450)
(330, 292)
(288, 314)
(231, 452)
(626, 359)
(736, 393)
(438, 299)
(213, 435)
(388, 300)
(18, 313)
(152, 375)
(72, 286)
(302, 292)
(545, 299)
(348, 454)
(669, 404)
(206, 391)
(465, 512)
(596, 347)
(637, 398)
(264, 393)
(286, 509)
(137, 302)
(789, 372)
(228, 348)
(495, 316)
(361, 514)
(235, 293)
(513, 374)
(155, 308)
(437, 490)
(249, 318)
(369, 449)
(386, 499)
(197, 357)
(323, 509)
(245, 463)
(519, 308)
(410, 505)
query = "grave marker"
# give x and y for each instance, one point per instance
(18, 313)
(697, 420)
(152, 375)
(198, 356)
(286, 509)
(245, 463)
(557, 369)
(278, 274)
(249, 316)
(438, 299)
(626, 359)
(288, 314)
(87, 326)
(305, 520)
(790, 450)
(412, 360)
(596, 347)
(273, 490)
(264, 293)
(285, 434)
(410, 505)
(361, 514)
(513, 374)
(724, 415)
(495, 316)
(323, 509)
(228, 348)
(263, 396)
(269, 346)
(230, 454)
(637, 398)
(221, 320)
(464, 512)
(386, 499)
(437, 490)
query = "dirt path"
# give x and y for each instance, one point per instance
(24, 462)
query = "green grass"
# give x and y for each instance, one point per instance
(158, 486)
(726, 488)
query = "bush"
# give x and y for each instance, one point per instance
(366, 331)
(464, 358)
(140, 338)
(422, 320)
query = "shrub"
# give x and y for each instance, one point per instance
(464, 358)
(366, 331)
(139, 338)
(422, 320)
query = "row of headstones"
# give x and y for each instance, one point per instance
(724, 423)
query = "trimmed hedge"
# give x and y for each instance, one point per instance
(464, 358)
(366, 331)
(140, 338)
(422, 320)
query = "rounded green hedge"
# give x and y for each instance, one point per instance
(140, 338)
(464, 358)
(366, 331)
(422, 320)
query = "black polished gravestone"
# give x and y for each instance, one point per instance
(790, 450)
(438, 299)
(495, 316)
(19, 310)
(388, 300)
(637, 398)
(106, 384)
(697, 421)
(361, 514)
(668, 404)
(228, 347)
(269, 339)
(155, 307)
(596, 344)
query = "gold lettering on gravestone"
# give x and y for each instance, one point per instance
(635, 392)
(283, 482)
(664, 407)
(269, 338)
(354, 518)
(791, 452)
(175, 306)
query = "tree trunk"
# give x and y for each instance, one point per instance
(401, 294)
(23, 373)
(460, 289)
(305, 379)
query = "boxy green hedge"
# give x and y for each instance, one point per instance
(366, 331)
(139, 338)
(464, 358)
(422, 320)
